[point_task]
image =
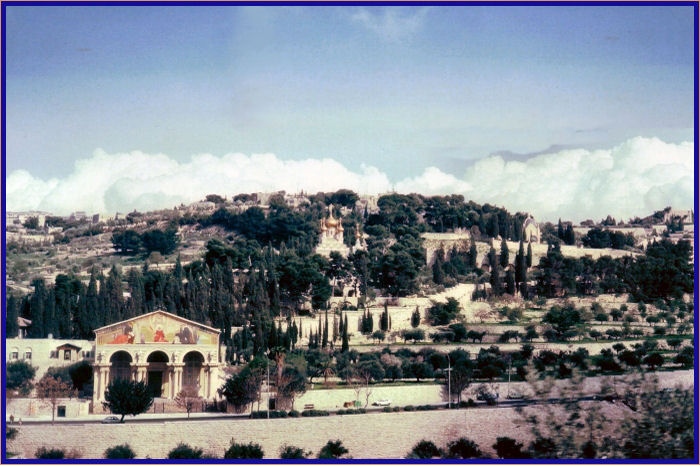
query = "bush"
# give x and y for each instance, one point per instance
(244, 451)
(44, 453)
(424, 450)
(333, 450)
(183, 451)
(288, 452)
(273, 414)
(409, 408)
(315, 413)
(387, 409)
(293, 413)
(123, 451)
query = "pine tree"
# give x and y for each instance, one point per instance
(504, 253)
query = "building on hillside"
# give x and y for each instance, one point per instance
(23, 324)
(166, 351)
(432, 242)
(531, 230)
(331, 239)
(48, 353)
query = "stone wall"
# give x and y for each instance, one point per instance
(385, 435)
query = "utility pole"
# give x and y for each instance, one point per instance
(510, 363)
(268, 389)
(449, 383)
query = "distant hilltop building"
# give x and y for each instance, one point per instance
(686, 216)
(531, 230)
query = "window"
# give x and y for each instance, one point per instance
(66, 355)
(14, 355)
(28, 355)
(61, 411)
(53, 354)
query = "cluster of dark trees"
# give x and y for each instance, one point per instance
(597, 238)
(664, 272)
(129, 242)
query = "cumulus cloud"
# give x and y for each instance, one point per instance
(634, 178)
(392, 24)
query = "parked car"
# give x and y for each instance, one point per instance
(515, 395)
(111, 419)
(382, 403)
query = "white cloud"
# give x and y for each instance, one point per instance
(393, 23)
(632, 179)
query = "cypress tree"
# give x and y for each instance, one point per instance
(415, 318)
(324, 339)
(345, 345)
(510, 282)
(12, 325)
(50, 326)
(504, 253)
(336, 333)
(438, 272)
(341, 326)
(495, 278)
(520, 268)
(37, 304)
(529, 255)
(472, 255)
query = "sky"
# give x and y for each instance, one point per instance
(116, 108)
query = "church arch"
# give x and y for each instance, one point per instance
(120, 365)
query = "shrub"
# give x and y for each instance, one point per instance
(44, 453)
(462, 448)
(333, 450)
(272, 413)
(244, 451)
(424, 450)
(123, 451)
(288, 452)
(293, 413)
(409, 408)
(315, 413)
(184, 452)
(387, 409)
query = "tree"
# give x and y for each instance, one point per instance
(653, 360)
(18, 378)
(243, 388)
(290, 384)
(415, 318)
(125, 397)
(123, 451)
(345, 339)
(443, 313)
(504, 253)
(528, 257)
(333, 450)
(459, 378)
(288, 452)
(50, 390)
(244, 451)
(462, 448)
(188, 397)
(126, 242)
(185, 452)
(43, 453)
(378, 336)
(12, 325)
(509, 448)
(424, 450)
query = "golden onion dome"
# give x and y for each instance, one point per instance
(332, 222)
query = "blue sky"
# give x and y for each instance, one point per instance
(398, 88)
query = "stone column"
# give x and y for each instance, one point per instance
(100, 380)
(177, 378)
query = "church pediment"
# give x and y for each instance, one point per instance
(157, 327)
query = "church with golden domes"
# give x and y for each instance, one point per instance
(331, 239)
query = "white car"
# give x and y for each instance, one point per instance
(382, 403)
(111, 419)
